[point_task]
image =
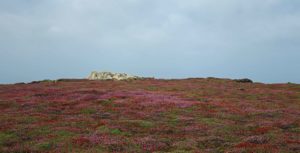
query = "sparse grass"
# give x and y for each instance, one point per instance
(172, 118)
(64, 133)
(7, 138)
(141, 123)
(296, 130)
(40, 131)
(210, 121)
(115, 132)
(44, 146)
(28, 119)
(103, 129)
(152, 88)
(8, 104)
(202, 99)
(88, 111)
(146, 124)
(107, 102)
(106, 130)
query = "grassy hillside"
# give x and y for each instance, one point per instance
(191, 115)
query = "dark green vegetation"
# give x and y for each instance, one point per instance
(191, 115)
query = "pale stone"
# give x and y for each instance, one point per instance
(111, 76)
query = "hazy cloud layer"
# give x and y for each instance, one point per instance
(164, 38)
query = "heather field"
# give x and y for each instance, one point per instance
(189, 115)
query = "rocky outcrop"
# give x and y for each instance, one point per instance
(111, 76)
(245, 80)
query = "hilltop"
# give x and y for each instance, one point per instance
(150, 115)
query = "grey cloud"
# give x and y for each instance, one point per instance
(170, 38)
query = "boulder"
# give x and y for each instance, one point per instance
(111, 76)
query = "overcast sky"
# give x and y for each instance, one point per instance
(50, 39)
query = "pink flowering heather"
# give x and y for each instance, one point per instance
(189, 115)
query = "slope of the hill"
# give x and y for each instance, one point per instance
(191, 115)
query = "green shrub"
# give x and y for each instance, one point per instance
(116, 132)
(88, 111)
